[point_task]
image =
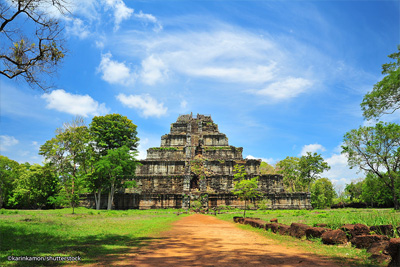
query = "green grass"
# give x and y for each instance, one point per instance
(88, 233)
(346, 255)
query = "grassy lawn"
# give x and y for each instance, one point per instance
(87, 234)
(346, 255)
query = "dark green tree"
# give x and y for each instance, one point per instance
(311, 166)
(112, 135)
(385, 96)
(34, 187)
(354, 190)
(376, 195)
(322, 193)
(10, 170)
(376, 150)
(244, 187)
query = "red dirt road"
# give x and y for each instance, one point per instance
(200, 240)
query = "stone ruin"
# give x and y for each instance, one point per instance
(196, 163)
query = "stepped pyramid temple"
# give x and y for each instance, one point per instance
(196, 163)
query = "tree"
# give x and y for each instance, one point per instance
(354, 190)
(68, 152)
(385, 96)
(117, 166)
(311, 166)
(108, 133)
(289, 168)
(36, 54)
(376, 150)
(322, 193)
(375, 194)
(244, 187)
(10, 170)
(266, 168)
(34, 187)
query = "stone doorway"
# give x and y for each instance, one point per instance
(194, 183)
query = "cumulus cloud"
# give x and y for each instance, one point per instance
(311, 148)
(121, 11)
(340, 171)
(82, 105)
(153, 70)
(115, 72)
(7, 141)
(78, 28)
(148, 106)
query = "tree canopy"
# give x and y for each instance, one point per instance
(376, 149)
(385, 96)
(244, 187)
(32, 41)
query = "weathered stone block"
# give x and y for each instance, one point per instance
(383, 229)
(316, 232)
(394, 252)
(334, 237)
(378, 251)
(353, 230)
(298, 229)
(365, 241)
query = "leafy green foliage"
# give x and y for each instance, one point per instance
(374, 194)
(385, 96)
(377, 150)
(113, 131)
(10, 170)
(245, 188)
(34, 187)
(299, 173)
(322, 193)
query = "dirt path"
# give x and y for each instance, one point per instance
(200, 240)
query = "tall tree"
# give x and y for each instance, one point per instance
(114, 168)
(290, 169)
(385, 96)
(244, 187)
(376, 150)
(108, 133)
(32, 43)
(10, 170)
(311, 166)
(266, 168)
(322, 193)
(68, 152)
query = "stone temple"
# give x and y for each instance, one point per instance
(195, 161)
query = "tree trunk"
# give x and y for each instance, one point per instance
(97, 198)
(110, 197)
(244, 213)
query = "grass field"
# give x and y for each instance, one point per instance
(90, 234)
(87, 234)
(333, 218)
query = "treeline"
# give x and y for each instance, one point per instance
(368, 192)
(99, 158)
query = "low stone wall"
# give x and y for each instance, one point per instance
(124, 201)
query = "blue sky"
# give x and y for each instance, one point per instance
(279, 77)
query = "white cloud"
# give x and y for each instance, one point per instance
(115, 72)
(311, 148)
(148, 106)
(7, 141)
(121, 11)
(288, 88)
(184, 104)
(148, 17)
(78, 28)
(270, 161)
(340, 171)
(153, 70)
(82, 105)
